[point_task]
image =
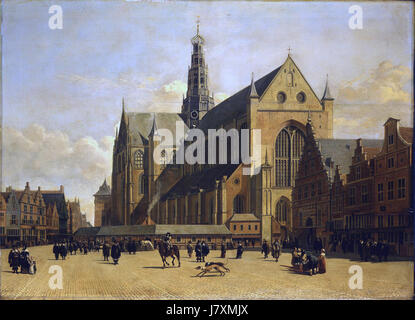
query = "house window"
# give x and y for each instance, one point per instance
(365, 196)
(299, 193)
(358, 173)
(390, 139)
(242, 227)
(390, 190)
(14, 219)
(390, 163)
(380, 221)
(380, 192)
(401, 188)
(306, 192)
(390, 221)
(209, 239)
(234, 227)
(256, 227)
(352, 196)
(179, 239)
(249, 227)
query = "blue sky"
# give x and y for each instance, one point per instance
(69, 83)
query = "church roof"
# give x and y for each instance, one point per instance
(87, 231)
(160, 229)
(341, 151)
(236, 104)
(104, 189)
(141, 123)
(244, 217)
(206, 179)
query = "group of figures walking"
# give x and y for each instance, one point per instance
(275, 249)
(202, 250)
(21, 259)
(370, 250)
(305, 262)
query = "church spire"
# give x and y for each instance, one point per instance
(253, 93)
(154, 130)
(326, 94)
(198, 100)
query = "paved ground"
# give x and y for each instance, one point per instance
(140, 277)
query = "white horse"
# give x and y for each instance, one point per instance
(147, 245)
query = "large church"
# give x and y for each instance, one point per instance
(280, 104)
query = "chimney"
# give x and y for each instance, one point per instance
(27, 186)
(61, 189)
(38, 188)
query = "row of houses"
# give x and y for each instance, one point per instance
(346, 193)
(37, 216)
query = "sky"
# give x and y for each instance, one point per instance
(62, 88)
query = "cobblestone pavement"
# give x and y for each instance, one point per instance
(140, 276)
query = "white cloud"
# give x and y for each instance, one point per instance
(50, 159)
(384, 84)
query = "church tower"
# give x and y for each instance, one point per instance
(197, 101)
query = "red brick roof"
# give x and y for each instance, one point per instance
(406, 133)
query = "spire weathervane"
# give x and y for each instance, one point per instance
(289, 50)
(198, 22)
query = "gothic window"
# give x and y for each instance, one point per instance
(238, 204)
(282, 210)
(142, 184)
(138, 159)
(288, 149)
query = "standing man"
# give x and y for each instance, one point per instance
(222, 249)
(239, 250)
(115, 252)
(56, 251)
(63, 251)
(198, 251)
(205, 250)
(265, 249)
(106, 251)
(14, 259)
(189, 249)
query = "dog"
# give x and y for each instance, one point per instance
(207, 264)
(212, 267)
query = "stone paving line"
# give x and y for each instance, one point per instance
(141, 276)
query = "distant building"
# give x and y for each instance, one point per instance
(12, 216)
(245, 227)
(102, 204)
(74, 209)
(52, 222)
(25, 216)
(58, 197)
(3, 209)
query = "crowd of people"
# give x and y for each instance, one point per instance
(21, 259)
(305, 262)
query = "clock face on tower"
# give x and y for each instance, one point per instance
(194, 114)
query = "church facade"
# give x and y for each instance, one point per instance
(279, 104)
